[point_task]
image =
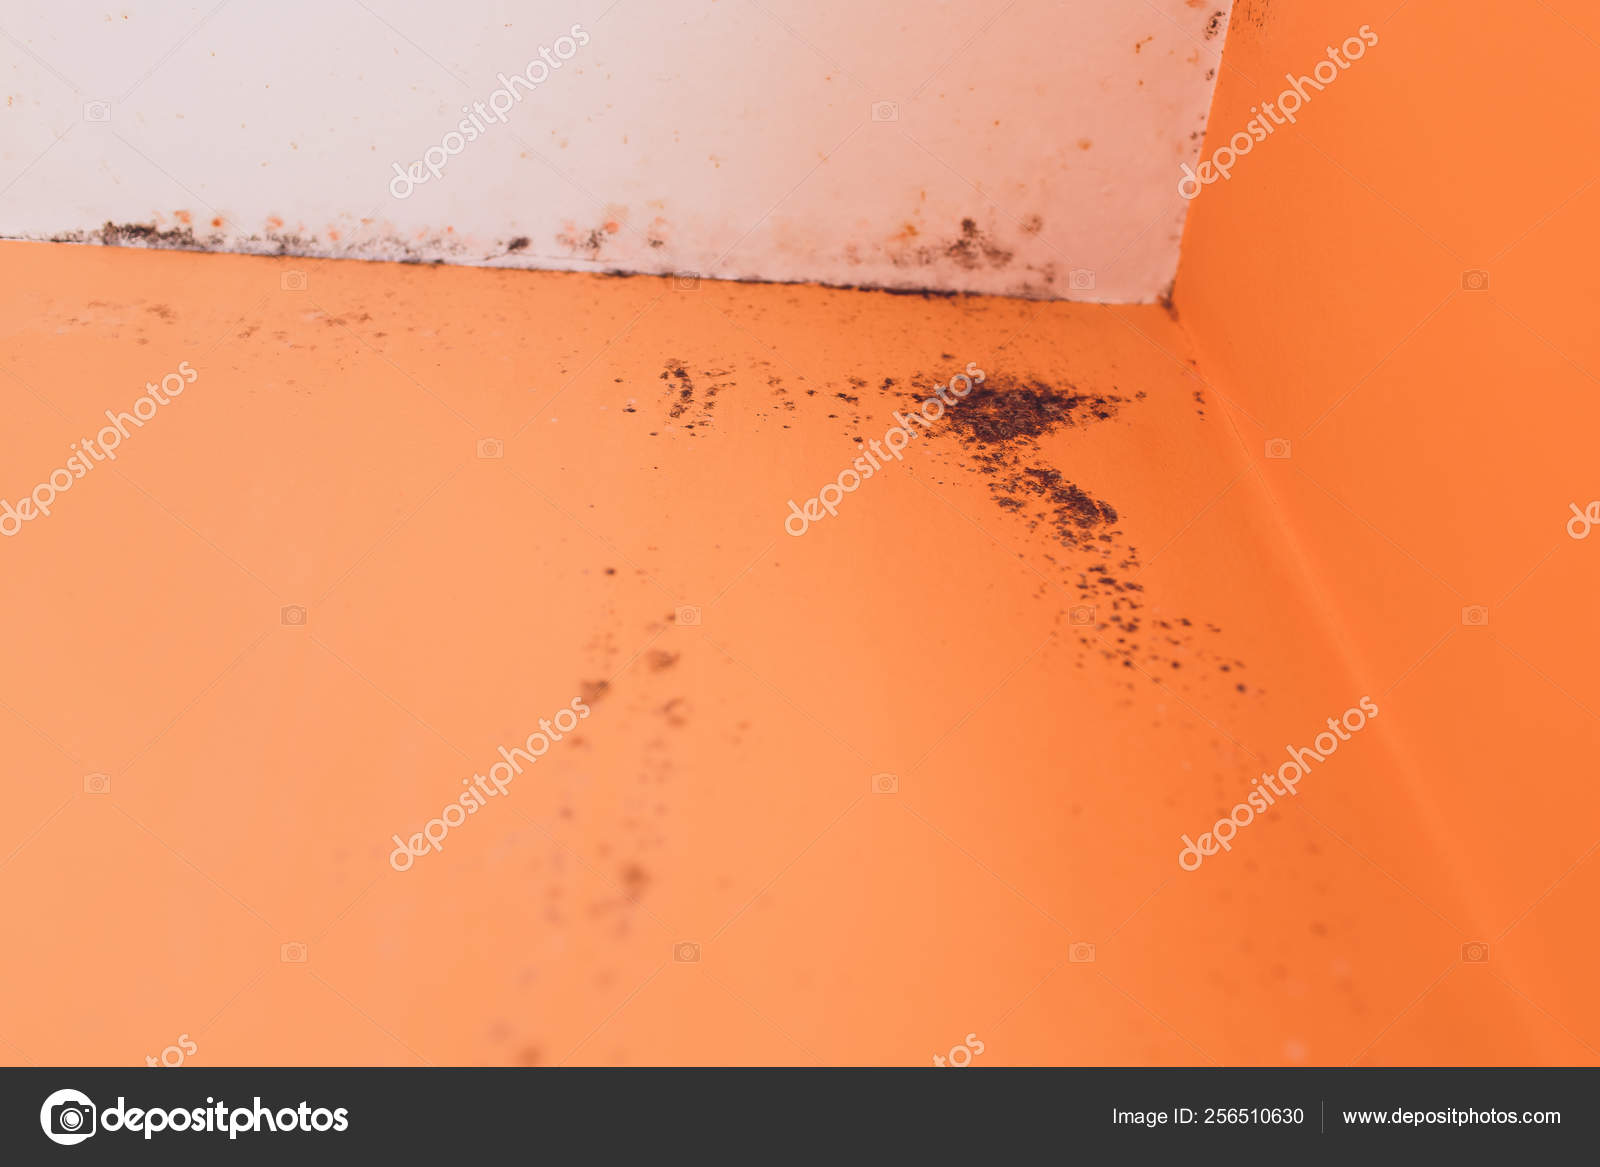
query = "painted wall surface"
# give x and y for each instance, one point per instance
(1027, 149)
(1391, 296)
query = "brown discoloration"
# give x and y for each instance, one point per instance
(634, 881)
(974, 248)
(1003, 409)
(421, 248)
(594, 240)
(589, 242)
(977, 253)
(687, 404)
(1075, 513)
(1001, 426)
(135, 235)
(683, 388)
(970, 249)
(1252, 13)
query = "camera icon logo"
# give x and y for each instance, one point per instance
(67, 1117)
(97, 784)
(294, 616)
(885, 784)
(686, 952)
(686, 281)
(1475, 952)
(1475, 616)
(97, 111)
(885, 111)
(293, 952)
(490, 448)
(1278, 448)
(1080, 279)
(1082, 615)
(292, 281)
(1081, 953)
(1475, 280)
(688, 616)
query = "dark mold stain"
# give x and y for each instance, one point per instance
(974, 248)
(271, 242)
(135, 235)
(1251, 12)
(999, 427)
(1002, 409)
(590, 242)
(681, 400)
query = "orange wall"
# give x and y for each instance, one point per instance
(1437, 433)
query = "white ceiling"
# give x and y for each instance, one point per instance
(1015, 143)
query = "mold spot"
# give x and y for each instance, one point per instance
(999, 427)
(134, 235)
(589, 242)
(973, 248)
